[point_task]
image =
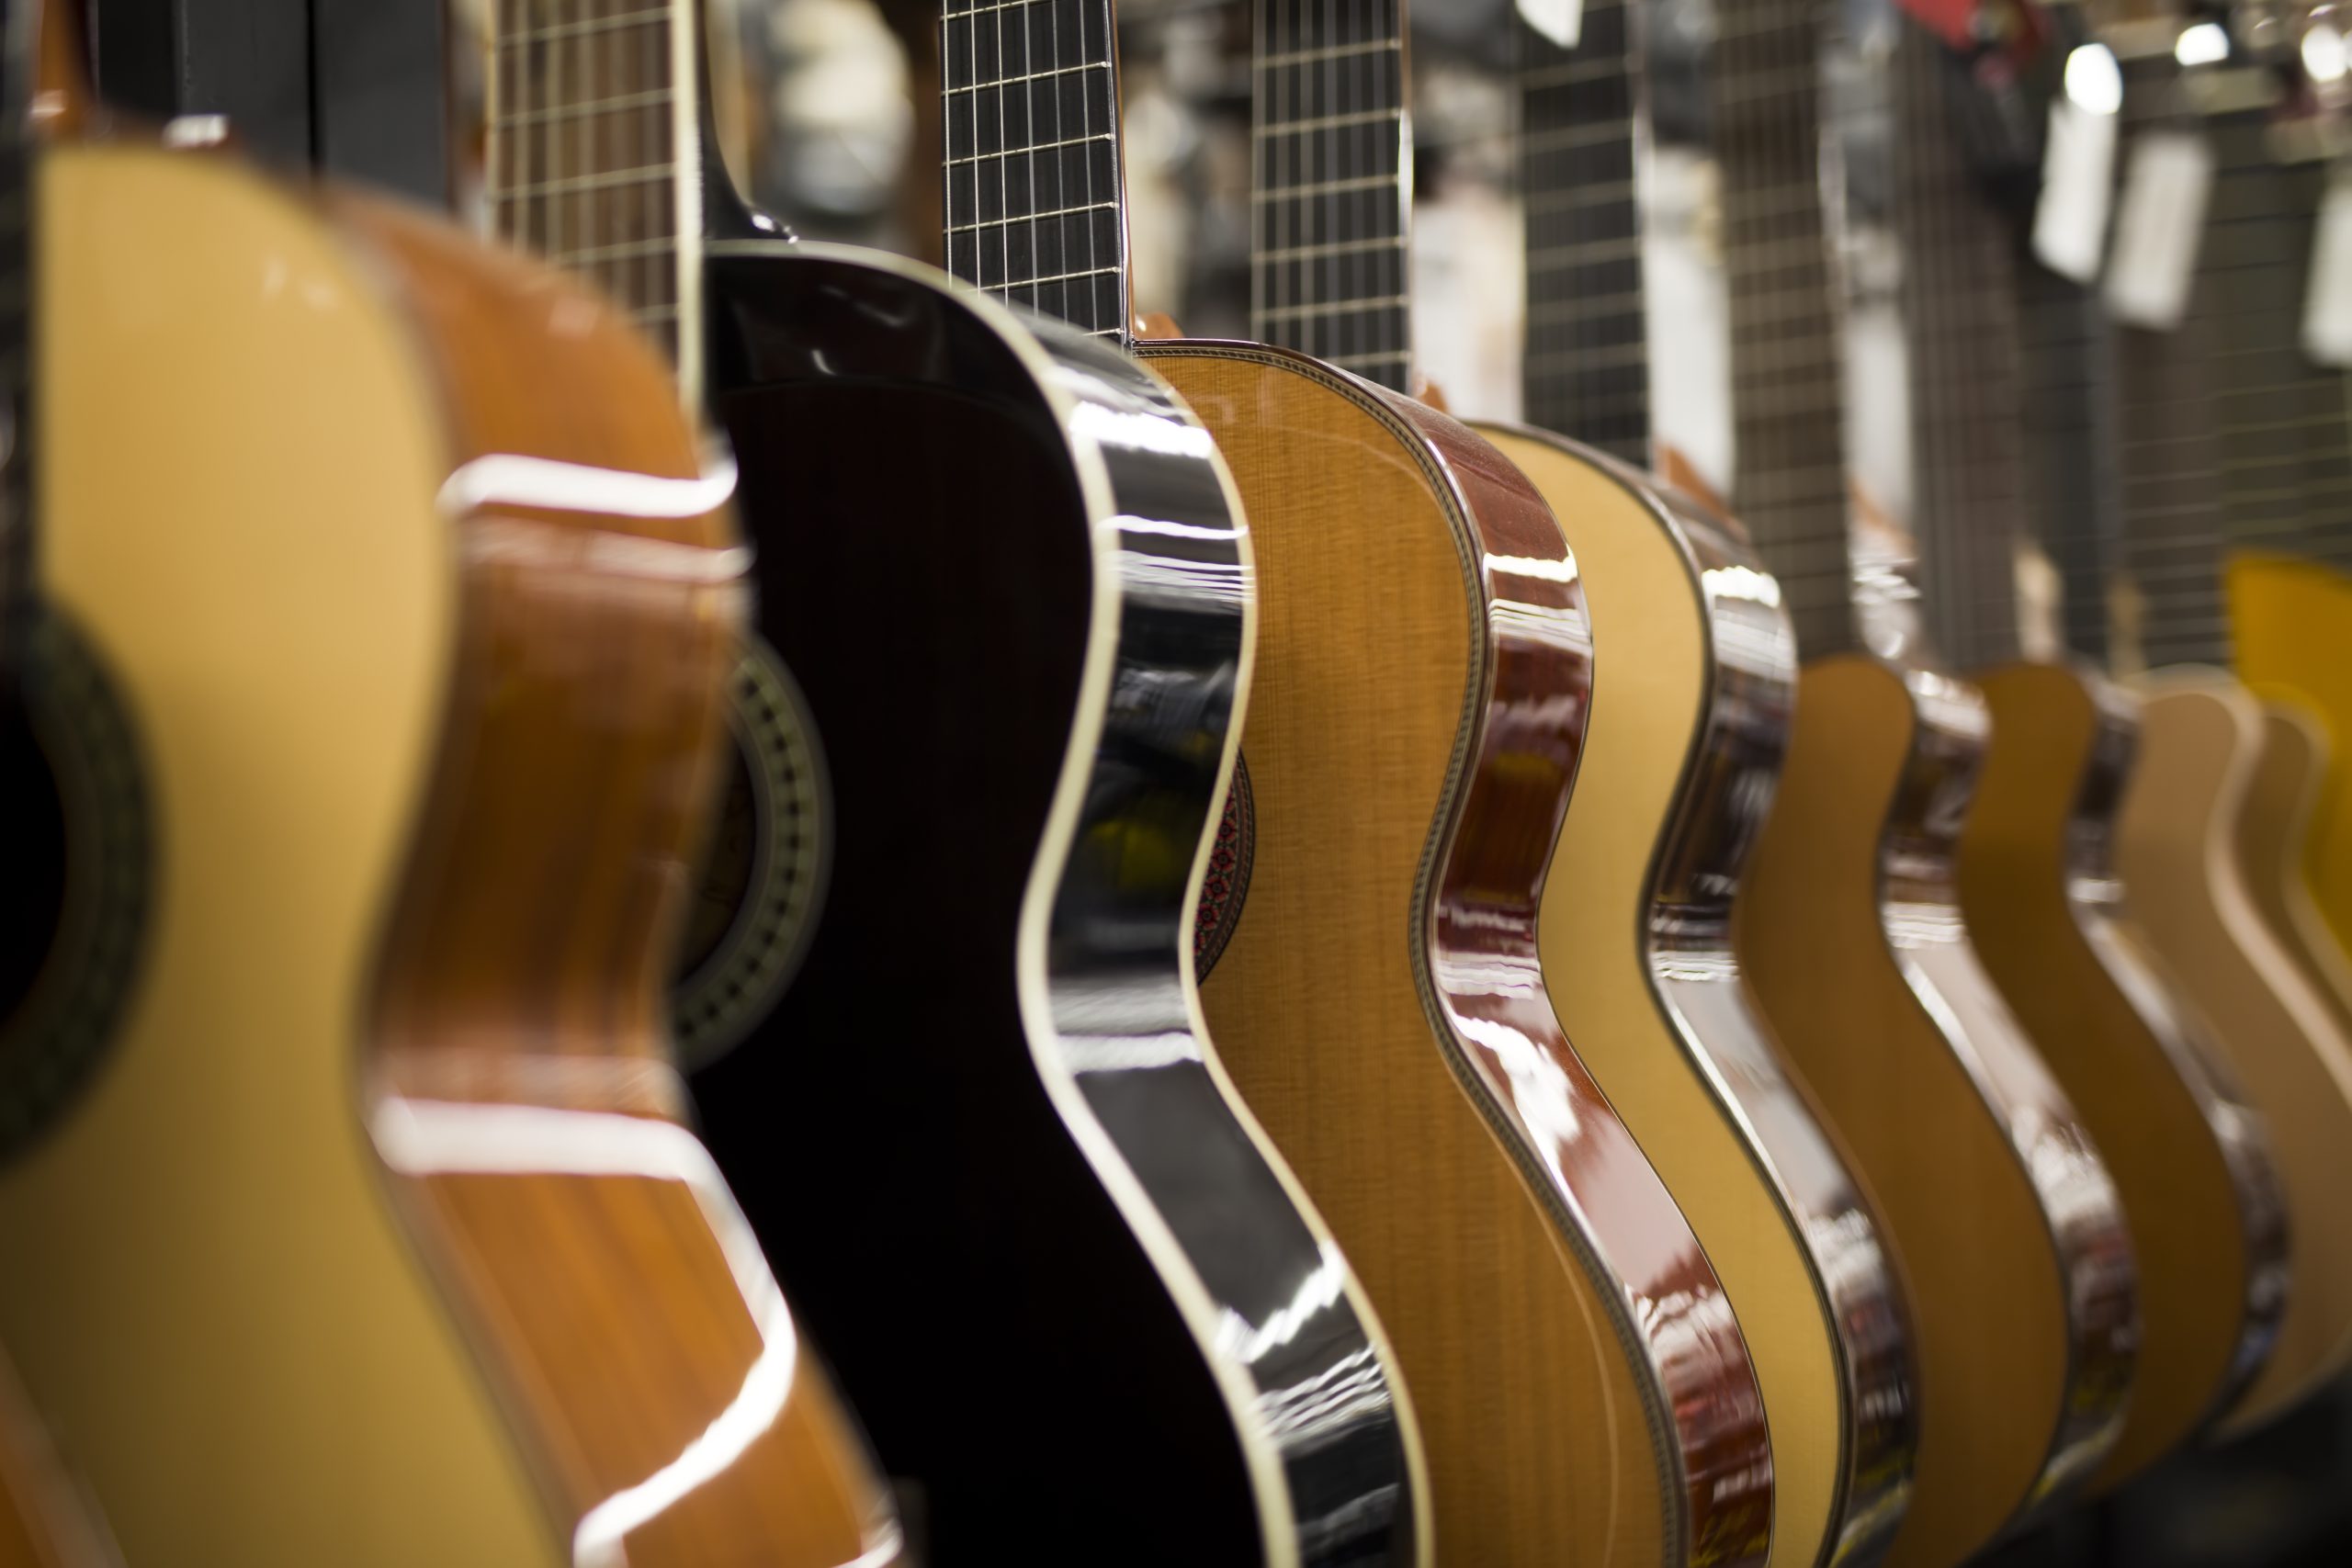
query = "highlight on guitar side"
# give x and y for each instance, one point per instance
(918, 784)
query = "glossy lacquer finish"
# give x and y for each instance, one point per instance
(1694, 676)
(520, 1094)
(983, 1133)
(1920, 914)
(1415, 726)
(1734, 766)
(2192, 1159)
(1491, 987)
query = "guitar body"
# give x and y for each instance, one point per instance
(261, 679)
(1693, 676)
(1848, 928)
(2288, 640)
(44, 1523)
(2040, 893)
(1084, 1313)
(2274, 834)
(1377, 991)
(2201, 735)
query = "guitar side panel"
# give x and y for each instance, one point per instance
(1921, 916)
(1734, 769)
(1373, 634)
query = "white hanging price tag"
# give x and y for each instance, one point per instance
(1561, 21)
(2158, 228)
(2077, 184)
(2327, 306)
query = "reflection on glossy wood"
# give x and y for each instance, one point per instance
(2200, 735)
(254, 1369)
(268, 589)
(1849, 931)
(44, 1520)
(521, 1093)
(1693, 677)
(1586, 1394)
(2189, 1158)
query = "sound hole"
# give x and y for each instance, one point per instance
(74, 903)
(762, 876)
(1228, 881)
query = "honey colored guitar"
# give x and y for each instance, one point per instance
(2179, 850)
(2006, 1224)
(1694, 672)
(372, 703)
(1372, 972)
(2048, 912)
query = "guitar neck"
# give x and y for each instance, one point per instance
(1036, 209)
(1332, 184)
(1584, 371)
(1957, 307)
(1787, 356)
(595, 127)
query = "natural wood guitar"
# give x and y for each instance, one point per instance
(377, 698)
(1694, 668)
(2049, 914)
(1849, 924)
(1378, 985)
(2178, 850)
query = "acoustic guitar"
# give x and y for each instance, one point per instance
(1377, 979)
(373, 705)
(2274, 833)
(1694, 670)
(1155, 1352)
(1848, 922)
(2209, 425)
(1993, 342)
(2286, 616)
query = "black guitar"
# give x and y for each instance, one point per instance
(952, 1063)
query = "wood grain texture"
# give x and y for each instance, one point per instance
(2020, 1309)
(521, 1093)
(1504, 1221)
(2039, 891)
(1635, 934)
(2200, 736)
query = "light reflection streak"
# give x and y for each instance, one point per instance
(1317, 1292)
(1151, 432)
(551, 485)
(418, 1137)
(1127, 1053)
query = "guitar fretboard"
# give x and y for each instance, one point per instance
(2286, 473)
(1330, 176)
(591, 113)
(1034, 204)
(1586, 369)
(2071, 431)
(1959, 310)
(1787, 371)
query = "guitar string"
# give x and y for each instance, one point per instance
(1060, 157)
(1003, 164)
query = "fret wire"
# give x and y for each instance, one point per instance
(1326, 122)
(589, 110)
(1032, 216)
(979, 87)
(1317, 56)
(1053, 146)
